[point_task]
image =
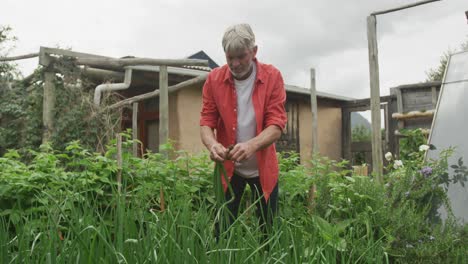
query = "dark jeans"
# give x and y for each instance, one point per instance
(266, 211)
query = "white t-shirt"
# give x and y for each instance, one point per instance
(246, 123)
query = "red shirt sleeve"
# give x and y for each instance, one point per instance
(275, 112)
(209, 114)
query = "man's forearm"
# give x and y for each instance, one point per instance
(267, 137)
(207, 136)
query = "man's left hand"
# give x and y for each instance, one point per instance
(242, 151)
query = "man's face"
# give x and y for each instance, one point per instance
(240, 61)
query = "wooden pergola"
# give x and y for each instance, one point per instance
(102, 65)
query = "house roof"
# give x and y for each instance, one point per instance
(200, 70)
(305, 91)
(201, 55)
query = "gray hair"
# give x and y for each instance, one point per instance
(238, 37)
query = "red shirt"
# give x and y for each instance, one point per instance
(219, 112)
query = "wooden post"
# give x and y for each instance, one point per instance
(135, 129)
(48, 106)
(392, 127)
(119, 163)
(346, 133)
(313, 104)
(434, 97)
(315, 142)
(377, 165)
(163, 105)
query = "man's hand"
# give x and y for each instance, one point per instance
(242, 151)
(218, 152)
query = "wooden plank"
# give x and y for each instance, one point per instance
(135, 129)
(48, 106)
(403, 7)
(313, 104)
(346, 133)
(163, 106)
(417, 100)
(377, 164)
(434, 97)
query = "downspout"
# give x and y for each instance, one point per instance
(112, 86)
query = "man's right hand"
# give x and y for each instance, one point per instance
(218, 152)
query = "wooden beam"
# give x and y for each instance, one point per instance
(362, 108)
(163, 106)
(102, 74)
(70, 53)
(413, 115)
(21, 57)
(377, 161)
(155, 93)
(313, 104)
(403, 7)
(135, 129)
(120, 63)
(48, 106)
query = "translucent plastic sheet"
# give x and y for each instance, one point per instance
(450, 129)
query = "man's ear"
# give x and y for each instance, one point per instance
(255, 49)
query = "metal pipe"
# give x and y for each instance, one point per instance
(112, 86)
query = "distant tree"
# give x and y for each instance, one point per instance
(8, 70)
(436, 74)
(360, 133)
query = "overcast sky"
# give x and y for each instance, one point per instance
(329, 35)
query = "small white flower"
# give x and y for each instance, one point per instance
(423, 148)
(398, 164)
(388, 156)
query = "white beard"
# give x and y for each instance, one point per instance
(242, 74)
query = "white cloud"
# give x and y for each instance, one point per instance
(293, 35)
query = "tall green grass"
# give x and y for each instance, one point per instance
(64, 207)
(124, 232)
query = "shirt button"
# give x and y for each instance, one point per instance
(233, 128)
(235, 109)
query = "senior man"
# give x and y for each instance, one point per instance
(242, 116)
